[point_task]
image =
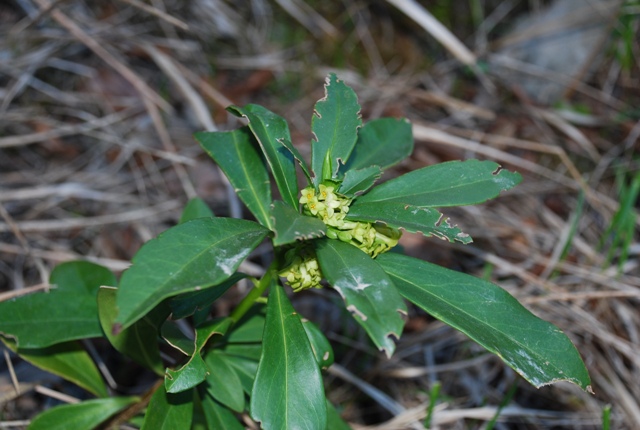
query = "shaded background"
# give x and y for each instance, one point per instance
(99, 100)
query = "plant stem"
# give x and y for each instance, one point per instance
(133, 410)
(253, 295)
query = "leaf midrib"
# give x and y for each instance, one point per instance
(396, 197)
(277, 167)
(286, 354)
(379, 317)
(265, 215)
(162, 289)
(539, 357)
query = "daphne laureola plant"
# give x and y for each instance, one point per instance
(337, 231)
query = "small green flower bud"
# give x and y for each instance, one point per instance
(344, 236)
(303, 270)
(332, 233)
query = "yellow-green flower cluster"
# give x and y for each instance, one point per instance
(303, 271)
(326, 204)
(332, 208)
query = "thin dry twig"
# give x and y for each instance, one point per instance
(72, 223)
(381, 398)
(157, 12)
(12, 373)
(23, 291)
(56, 394)
(68, 130)
(434, 27)
(146, 92)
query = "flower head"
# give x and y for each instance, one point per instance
(302, 270)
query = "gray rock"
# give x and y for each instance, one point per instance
(546, 52)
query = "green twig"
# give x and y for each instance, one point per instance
(254, 295)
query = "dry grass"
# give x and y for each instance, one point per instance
(98, 102)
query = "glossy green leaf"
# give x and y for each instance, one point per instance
(250, 327)
(67, 360)
(248, 350)
(67, 312)
(334, 420)
(271, 130)
(335, 126)
(187, 257)
(319, 344)
(187, 304)
(240, 160)
(169, 411)
(243, 346)
(358, 181)
(368, 292)
(291, 226)
(195, 208)
(454, 183)
(299, 158)
(224, 383)
(486, 313)
(427, 221)
(139, 341)
(174, 336)
(218, 416)
(288, 392)
(246, 369)
(381, 142)
(195, 370)
(85, 415)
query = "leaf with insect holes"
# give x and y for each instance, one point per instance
(270, 131)
(335, 126)
(187, 257)
(319, 344)
(240, 160)
(178, 339)
(299, 158)
(291, 226)
(454, 183)
(195, 370)
(534, 348)
(427, 221)
(366, 289)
